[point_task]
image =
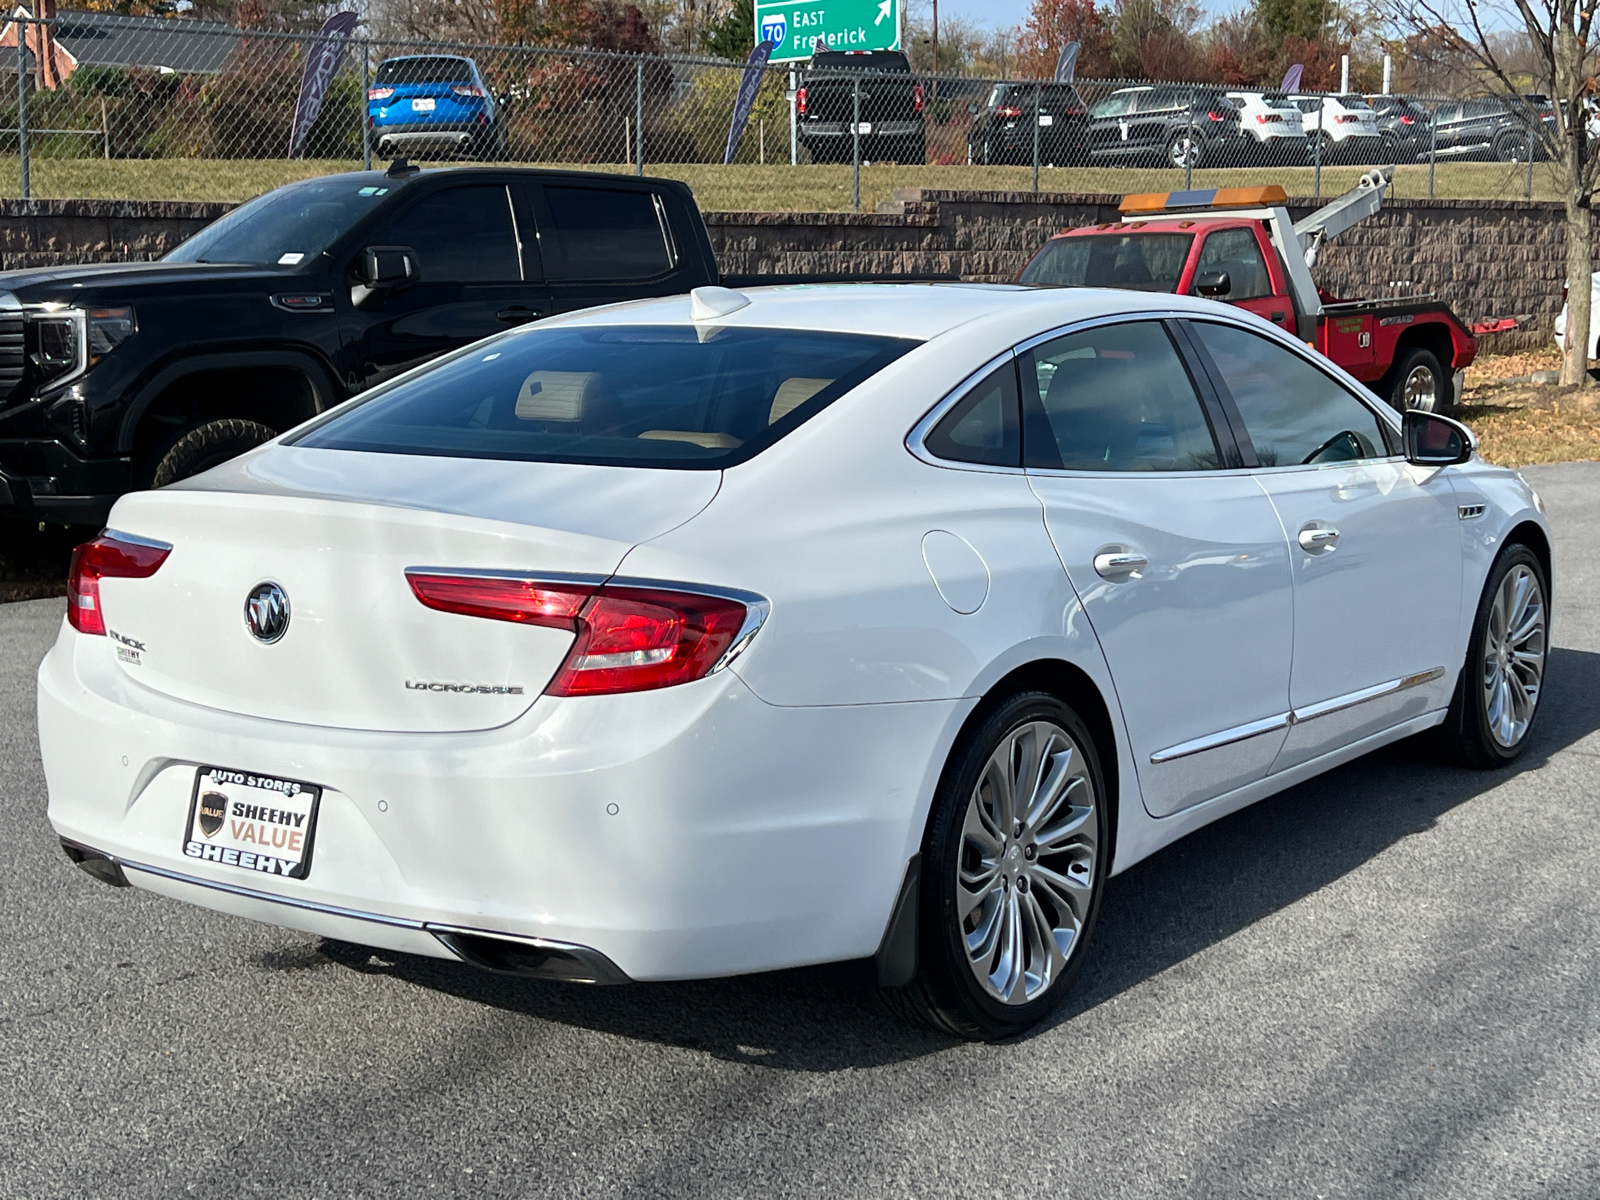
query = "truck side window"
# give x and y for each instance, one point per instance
(1236, 252)
(1294, 414)
(606, 234)
(1113, 398)
(461, 235)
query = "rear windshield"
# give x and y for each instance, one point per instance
(874, 60)
(424, 70)
(1142, 262)
(289, 226)
(640, 395)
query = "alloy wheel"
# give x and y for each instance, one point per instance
(1421, 389)
(1026, 872)
(1513, 656)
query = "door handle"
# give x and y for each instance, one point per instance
(1317, 538)
(1118, 564)
(517, 313)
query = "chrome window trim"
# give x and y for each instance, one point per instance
(914, 441)
(1297, 716)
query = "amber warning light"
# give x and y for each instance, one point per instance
(1234, 197)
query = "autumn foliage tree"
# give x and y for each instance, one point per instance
(1054, 23)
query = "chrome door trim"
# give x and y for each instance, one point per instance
(1225, 737)
(1377, 691)
(1298, 716)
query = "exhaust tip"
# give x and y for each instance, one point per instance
(103, 867)
(529, 958)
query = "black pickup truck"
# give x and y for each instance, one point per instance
(132, 375)
(891, 124)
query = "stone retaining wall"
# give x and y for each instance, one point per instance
(1484, 258)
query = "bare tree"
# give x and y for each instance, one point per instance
(1559, 50)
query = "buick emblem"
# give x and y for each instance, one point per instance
(266, 612)
(213, 807)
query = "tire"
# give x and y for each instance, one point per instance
(1181, 147)
(207, 446)
(1409, 386)
(987, 994)
(1497, 694)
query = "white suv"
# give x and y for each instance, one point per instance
(1274, 127)
(1345, 125)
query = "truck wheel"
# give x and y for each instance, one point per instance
(207, 446)
(1418, 381)
(1511, 149)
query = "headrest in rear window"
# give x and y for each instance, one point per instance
(791, 394)
(557, 395)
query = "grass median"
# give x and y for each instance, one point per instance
(769, 188)
(1519, 422)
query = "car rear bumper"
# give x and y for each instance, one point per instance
(688, 832)
(445, 133)
(840, 130)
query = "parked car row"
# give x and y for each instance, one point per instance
(1180, 125)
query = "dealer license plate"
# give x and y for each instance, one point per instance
(422, 106)
(864, 128)
(253, 822)
(1047, 119)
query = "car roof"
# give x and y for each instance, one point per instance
(921, 311)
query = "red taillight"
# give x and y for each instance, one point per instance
(629, 639)
(109, 556)
(1267, 118)
(1408, 120)
(379, 93)
(1347, 119)
(800, 101)
(916, 97)
(467, 89)
(1217, 116)
(1007, 111)
(635, 639)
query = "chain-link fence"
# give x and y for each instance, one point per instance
(125, 106)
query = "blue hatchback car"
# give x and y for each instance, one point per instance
(432, 102)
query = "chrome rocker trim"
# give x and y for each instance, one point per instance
(1299, 716)
(486, 949)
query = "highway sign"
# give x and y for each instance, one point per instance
(795, 27)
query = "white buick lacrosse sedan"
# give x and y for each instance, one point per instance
(731, 632)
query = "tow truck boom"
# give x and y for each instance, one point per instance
(1332, 219)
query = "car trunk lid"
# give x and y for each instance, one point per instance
(360, 651)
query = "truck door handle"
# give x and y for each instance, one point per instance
(1118, 564)
(1317, 538)
(517, 314)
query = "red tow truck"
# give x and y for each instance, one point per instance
(1239, 245)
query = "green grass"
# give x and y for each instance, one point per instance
(771, 188)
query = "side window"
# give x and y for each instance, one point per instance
(606, 234)
(1113, 398)
(1114, 105)
(1294, 414)
(984, 426)
(1447, 112)
(1236, 252)
(462, 235)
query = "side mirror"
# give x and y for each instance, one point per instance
(1213, 283)
(1434, 441)
(381, 270)
(972, 110)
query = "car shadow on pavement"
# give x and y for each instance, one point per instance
(1210, 885)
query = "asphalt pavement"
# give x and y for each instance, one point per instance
(1383, 983)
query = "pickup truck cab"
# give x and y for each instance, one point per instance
(115, 377)
(1229, 244)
